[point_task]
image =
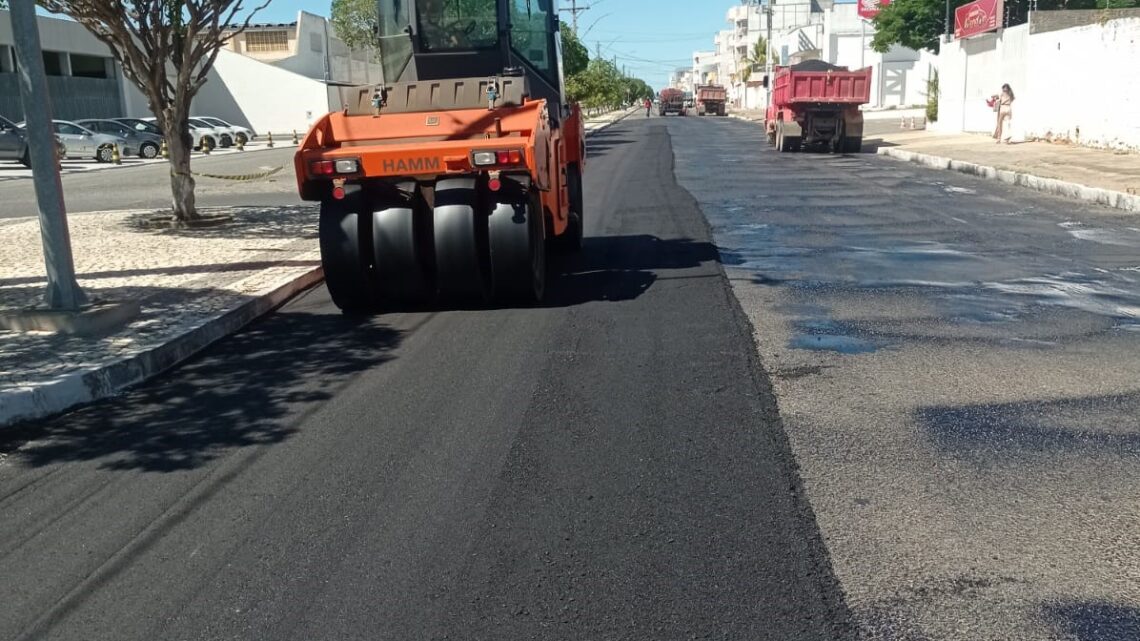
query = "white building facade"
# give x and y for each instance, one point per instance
(812, 29)
(273, 78)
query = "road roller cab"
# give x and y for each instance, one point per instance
(448, 182)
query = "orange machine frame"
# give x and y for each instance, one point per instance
(426, 145)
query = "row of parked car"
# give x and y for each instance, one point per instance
(96, 138)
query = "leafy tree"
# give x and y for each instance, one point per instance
(355, 22)
(757, 57)
(916, 24)
(575, 55)
(166, 48)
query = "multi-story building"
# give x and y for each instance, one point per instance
(807, 29)
(84, 81)
(272, 78)
(705, 66)
(308, 47)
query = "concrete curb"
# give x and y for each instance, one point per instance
(103, 381)
(1106, 197)
(610, 123)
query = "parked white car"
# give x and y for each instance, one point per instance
(237, 133)
(200, 135)
(221, 134)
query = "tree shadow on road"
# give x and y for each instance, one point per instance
(247, 390)
(1108, 424)
(253, 223)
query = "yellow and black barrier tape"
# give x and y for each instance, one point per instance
(237, 177)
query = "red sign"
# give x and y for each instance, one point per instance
(977, 17)
(868, 9)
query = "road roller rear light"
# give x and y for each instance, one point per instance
(322, 167)
(347, 166)
(500, 158)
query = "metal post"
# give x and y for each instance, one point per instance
(948, 31)
(768, 61)
(63, 290)
(862, 43)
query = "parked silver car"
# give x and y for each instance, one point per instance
(81, 142)
(14, 144)
(147, 143)
(238, 133)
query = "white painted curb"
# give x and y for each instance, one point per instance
(1106, 197)
(102, 381)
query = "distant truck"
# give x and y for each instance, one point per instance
(672, 102)
(817, 103)
(711, 100)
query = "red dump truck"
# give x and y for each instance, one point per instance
(817, 103)
(672, 102)
(710, 100)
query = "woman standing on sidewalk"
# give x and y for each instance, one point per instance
(1004, 107)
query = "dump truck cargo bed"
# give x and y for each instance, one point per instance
(796, 85)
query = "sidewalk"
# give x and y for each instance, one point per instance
(1096, 175)
(194, 287)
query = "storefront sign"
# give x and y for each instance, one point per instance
(977, 17)
(868, 9)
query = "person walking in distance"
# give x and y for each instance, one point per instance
(648, 107)
(1003, 105)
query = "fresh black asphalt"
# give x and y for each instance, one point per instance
(609, 465)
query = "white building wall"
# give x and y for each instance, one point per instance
(1083, 80)
(263, 97)
(1052, 79)
(898, 76)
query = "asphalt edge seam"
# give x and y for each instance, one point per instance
(830, 589)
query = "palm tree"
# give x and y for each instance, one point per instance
(758, 57)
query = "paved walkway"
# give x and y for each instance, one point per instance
(1100, 168)
(203, 282)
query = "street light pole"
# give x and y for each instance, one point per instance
(768, 60)
(63, 292)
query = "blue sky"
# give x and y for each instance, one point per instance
(649, 37)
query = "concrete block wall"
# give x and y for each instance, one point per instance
(1077, 83)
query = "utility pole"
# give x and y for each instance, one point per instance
(63, 292)
(574, 10)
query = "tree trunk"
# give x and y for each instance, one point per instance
(181, 180)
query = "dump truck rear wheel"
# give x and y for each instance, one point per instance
(462, 256)
(853, 144)
(342, 254)
(518, 250)
(401, 255)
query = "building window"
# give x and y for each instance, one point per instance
(88, 66)
(267, 41)
(53, 63)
